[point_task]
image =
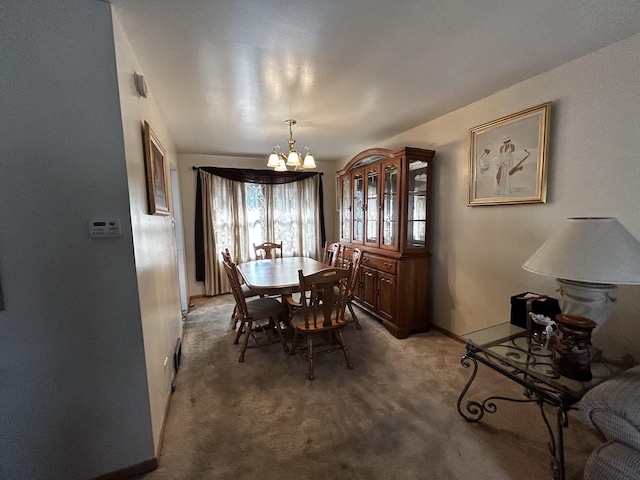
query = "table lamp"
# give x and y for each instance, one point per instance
(589, 257)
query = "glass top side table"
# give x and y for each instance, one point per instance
(510, 351)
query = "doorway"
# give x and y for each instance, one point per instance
(177, 230)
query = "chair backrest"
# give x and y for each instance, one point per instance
(350, 257)
(356, 259)
(268, 250)
(331, 253)
(324, 296)
(226, 256)
(344, 257)
(234, 279)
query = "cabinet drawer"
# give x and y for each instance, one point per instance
(382, 264)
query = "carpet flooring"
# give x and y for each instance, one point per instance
(393, 416)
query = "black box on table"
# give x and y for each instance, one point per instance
(524, 303)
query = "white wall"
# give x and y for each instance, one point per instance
(153, 236)
(74, 401)
(188, 189)
(594, 170)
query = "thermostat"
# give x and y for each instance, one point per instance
(110, 227)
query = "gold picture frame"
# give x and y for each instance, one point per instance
(508, 159)
(156, 166)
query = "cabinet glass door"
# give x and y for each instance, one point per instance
(417, 206)
(390, 185)
(345, 209)
(371, 209)
(358, 208)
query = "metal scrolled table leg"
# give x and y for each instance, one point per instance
(475, 410)
(556, 440)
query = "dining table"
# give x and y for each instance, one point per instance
(278, 276)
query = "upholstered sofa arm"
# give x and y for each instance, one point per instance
(613, 408)
(612, 461)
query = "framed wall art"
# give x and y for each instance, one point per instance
(508, 159)
(156, 165)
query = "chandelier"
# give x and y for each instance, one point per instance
(279, 161)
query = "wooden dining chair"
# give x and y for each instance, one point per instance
(331, 252)
(258, 318)
(330, 257)
(246, 291)
(268, 250)
(324, 297)
(349, 256)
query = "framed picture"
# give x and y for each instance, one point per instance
(157, 186)
(508, 159)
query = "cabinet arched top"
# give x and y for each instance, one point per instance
(373, 155)
(366, 157)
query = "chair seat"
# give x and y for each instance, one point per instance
(264, 307)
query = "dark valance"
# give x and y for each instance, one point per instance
(245, 175)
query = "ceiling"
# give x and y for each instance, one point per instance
(227, 73)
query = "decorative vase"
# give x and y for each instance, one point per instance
(571, 352)
(590, 300)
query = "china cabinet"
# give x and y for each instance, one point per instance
(385, 210)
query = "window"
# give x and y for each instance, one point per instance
(237, 214)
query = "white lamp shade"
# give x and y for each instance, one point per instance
(281, 166)
(274, 161)
(594, 250)
(309, 161)
(293, 160)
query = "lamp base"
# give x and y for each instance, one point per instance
(590, 300)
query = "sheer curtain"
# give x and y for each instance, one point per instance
(236, 214)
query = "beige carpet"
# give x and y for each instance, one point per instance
(393, 416)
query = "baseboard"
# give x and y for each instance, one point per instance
(166, 415)
(190, 303)
(132, 471)
(448, 333)
(202, 295)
